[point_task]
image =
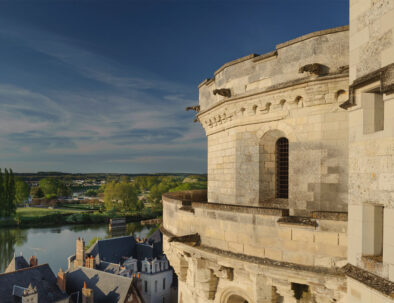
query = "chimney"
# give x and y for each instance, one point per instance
(33, 261)
(90, 262)
(61, 280)
(80, 252)
(87, 294)
(30, 295)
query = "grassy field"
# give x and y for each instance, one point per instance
(41, 212)
(81, 206)
(34, 216)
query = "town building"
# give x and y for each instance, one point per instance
(129, 258)
(299, 206)
(32, 283)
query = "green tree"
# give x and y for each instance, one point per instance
(36, 192)
(9, 193)
(126, 194)
(63, 190)
(49, 186)
(22, 191)
(124, 179)
(109, 195)
(91, 193)
(2, 195)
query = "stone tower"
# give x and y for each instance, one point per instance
(80, 252)
(272, 226)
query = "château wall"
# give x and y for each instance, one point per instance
(302, 106)
(371, 147)
(245, 241)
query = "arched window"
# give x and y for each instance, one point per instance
(282, 168)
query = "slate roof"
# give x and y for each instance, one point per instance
(16, 264)
(40, 276)
(106, 287)
(156, 237)
(109, 267)
(112, 250)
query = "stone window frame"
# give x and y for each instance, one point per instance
(372, 235)
(267, 164)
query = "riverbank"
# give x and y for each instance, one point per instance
(44, 217)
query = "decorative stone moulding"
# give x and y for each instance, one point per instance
(384, 75)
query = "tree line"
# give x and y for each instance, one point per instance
(13, 191)
(122, 195)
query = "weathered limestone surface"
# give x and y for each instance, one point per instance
(371, 146)
(244, 242)
(242, 129)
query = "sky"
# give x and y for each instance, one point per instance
(102, 85)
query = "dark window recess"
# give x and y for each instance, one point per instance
(282, 168)
(299, 290)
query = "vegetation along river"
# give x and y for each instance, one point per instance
(54, 244)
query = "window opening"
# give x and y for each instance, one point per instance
(282, 168)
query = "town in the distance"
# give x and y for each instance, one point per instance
(113, 219)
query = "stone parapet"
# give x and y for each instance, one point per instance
(257, 231)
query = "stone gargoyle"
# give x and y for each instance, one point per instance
(315, 69)
(225, 92)
(196, 108)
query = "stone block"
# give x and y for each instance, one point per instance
(284, 233)
(236, 247)
(256, 251)
(298, 258)
(273, 253)
(303, 235)
(342, 239)
(326, 238)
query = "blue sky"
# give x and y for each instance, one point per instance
(101, 86)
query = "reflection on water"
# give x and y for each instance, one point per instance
(54, 244)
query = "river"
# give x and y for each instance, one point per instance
(54, 244)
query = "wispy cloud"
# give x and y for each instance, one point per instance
(122, 117)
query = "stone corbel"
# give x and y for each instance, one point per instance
(224, 272)
(266, 109)
(180, 265)
(206, 283)
(193, 239)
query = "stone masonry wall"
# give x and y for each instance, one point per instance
(303, 107)
(241, 150)
(261, 235)
(255, 73)
(371, 146)
(371, 36)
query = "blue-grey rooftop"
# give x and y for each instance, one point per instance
(40, 276)
(107, 288)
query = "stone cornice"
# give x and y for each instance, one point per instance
(373, 281)
(220, 253)
(282, 86)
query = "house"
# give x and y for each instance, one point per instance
(96, 286)
(36, 284)
(139, 259)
